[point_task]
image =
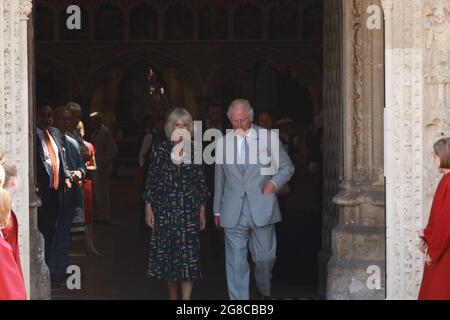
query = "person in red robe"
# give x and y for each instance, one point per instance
(435, 238)
(11, 232)
(12, 286)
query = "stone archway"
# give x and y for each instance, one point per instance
(416, 114)
(124, 61)
(307, 72)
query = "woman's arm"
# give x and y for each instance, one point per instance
(439, 242)
(149, 216)
(202, 218)
(93, 166)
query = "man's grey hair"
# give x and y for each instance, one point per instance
(174, 116)
(244, 103)
(73, 107)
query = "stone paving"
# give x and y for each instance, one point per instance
(119, 273)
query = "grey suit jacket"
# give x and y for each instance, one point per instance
(231, 185)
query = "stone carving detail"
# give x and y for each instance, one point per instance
(25, 9)
(14, 106)
(417, 71)
(437, 90)
(358, 87)
(332, 134)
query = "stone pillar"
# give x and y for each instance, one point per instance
(357, 265)
(332, 113)
(39, 273)
(14, 109)
(417, 112)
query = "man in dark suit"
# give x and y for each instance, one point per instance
(52, 174)
(72, 198)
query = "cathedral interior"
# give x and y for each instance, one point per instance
(131, 59)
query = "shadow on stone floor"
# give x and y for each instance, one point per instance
(120, 272)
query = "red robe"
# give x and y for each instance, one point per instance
(11, 235)
(436, 278)
(12, 286)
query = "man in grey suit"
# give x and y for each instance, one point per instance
(245, 201)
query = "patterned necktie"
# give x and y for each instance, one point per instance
(53, 159)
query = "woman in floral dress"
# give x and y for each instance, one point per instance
(175, 196)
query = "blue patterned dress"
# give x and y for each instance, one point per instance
(176, 193)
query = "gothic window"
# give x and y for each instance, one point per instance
(213, 23)
(247, 22)
(44, 24)
(178, 23)
(312, 20)
(143, 23)
(141, 92)
(109, 23)
(283, 22)
(75, 34)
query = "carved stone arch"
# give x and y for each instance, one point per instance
(64, 75)
(143, 21)
(308, 74)
(179, 22)
(248, 20)
(109, 22)
(159, 61)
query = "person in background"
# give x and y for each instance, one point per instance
(214, 120)
(91, 167)
(158, 130)
(435, 238)
(75, 110)
(106, 152)
(12, 286)
(11, 231)
(215, 117)
(289, 141)
(265, 120)
(145, 142)
(71, 199)
(314, 143)
(175, 197)
(52, 174)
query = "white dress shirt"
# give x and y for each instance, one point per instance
(251, 139)
(48, 161)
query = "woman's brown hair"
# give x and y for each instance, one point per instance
(442, 149)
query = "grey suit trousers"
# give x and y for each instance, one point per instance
(261, 241)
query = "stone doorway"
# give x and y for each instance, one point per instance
(354, 185)
(353, 202)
